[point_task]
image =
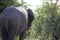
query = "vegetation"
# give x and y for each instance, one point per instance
(7, 3)
(46, 23)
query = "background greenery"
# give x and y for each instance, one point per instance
(46, 23)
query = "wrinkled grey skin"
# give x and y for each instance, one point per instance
(15, 21)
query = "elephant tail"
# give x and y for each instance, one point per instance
(8, 25)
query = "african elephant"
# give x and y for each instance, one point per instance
(15, 21)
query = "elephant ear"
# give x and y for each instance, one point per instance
(30, 17)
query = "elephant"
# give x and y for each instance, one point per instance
(15, 21)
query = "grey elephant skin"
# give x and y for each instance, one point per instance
(15, 21)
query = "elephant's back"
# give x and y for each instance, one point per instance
(14, 12)
(18, 17)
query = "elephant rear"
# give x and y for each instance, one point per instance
(14, 19)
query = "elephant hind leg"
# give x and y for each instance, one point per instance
(11, 37)
(22, 35)
(4, 34)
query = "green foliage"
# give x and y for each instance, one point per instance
(46, 23)
(4, 4)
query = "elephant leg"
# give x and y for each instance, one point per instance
(11, 34)
(22, 35)
(11, 37)
(4, 34)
